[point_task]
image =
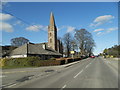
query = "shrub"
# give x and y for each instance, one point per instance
(28, 61)
(52, 58)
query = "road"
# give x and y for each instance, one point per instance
(88, 73)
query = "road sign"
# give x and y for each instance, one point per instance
(72, 52)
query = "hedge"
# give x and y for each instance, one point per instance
(49, 62)
(30, 61)
(35, 61)
(69, 60)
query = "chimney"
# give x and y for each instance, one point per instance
(44, 46)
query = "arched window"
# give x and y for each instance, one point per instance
(50, 34)
(50, 40)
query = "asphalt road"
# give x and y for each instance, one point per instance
(89, 73)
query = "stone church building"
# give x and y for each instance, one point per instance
(53, 48)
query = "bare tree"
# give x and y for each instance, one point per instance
(19, 41)
(89, 45)
(85, 41)
(67, 43)
(73, 45)
(60, 48)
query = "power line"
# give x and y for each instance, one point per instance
(23, 20)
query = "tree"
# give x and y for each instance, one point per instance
(67, 43)
(19, 41)
(60, 46)
(73, 45)
(113, 51)
(84, 41)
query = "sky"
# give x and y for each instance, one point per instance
(31, 19)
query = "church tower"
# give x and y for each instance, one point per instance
(52, 33)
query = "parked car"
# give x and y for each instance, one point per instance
(92, 56)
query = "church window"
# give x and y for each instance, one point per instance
(50, 40)
(50, 34)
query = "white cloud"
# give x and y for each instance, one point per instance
(18, 22)
(36, 28)
(6, 27)
(60, 28)
(111, 29)
(100, 33)
(105, 31)
(70, 29)
(4, 17)
(45, 28)
(97, 30)
(67, 28)
(102, 20)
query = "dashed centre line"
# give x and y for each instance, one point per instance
(82, 70)
(2, 76)
(87, 66)
(12, 85)
(78, 73)
(64, 86)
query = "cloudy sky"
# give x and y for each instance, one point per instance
(31, 19)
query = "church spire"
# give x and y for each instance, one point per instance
(52, 33)
(52, 21)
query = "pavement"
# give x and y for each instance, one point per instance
(87, 73)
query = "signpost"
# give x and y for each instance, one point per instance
(72, 52)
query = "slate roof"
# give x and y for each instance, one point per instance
(34, 49)
(5, 50)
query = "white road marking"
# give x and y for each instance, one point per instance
(89, 63)
(78, 73)
(64, 86)
(12, 85)
(2, 76)
(3, 85)
(87, 66)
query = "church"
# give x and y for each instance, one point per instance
(52, 49)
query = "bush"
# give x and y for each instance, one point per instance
(52, 58)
